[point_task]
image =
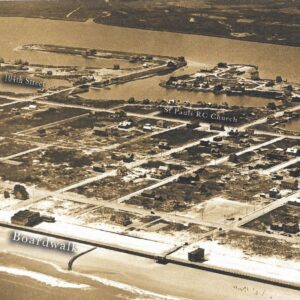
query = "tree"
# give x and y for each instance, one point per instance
(20, 192)
(131, 100)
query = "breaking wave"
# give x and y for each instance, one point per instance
(46, 279)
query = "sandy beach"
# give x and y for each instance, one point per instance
(176, 280)
(103, 274)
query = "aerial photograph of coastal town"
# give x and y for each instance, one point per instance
(150, 149)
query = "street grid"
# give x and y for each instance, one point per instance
(69, 192)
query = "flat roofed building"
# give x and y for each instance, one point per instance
(293, 151)
(217, 127)
(100, 131)
(125, 124)
(26, 218)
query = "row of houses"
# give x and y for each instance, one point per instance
(290, 227)
(127, 157)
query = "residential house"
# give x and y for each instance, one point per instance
(274, 193)
(188, 178)
(276, 226)
(291, 227)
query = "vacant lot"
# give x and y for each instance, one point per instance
(10, 146)
(140, 109)
(219, 210)
(4, 101)
(51, 168)
(59, 207)
(261, 246)
(21, 117)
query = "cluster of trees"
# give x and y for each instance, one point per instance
(21, 62)
(19, 192)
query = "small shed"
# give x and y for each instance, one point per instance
(196, 255)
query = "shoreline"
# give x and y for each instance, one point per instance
(149, 29)
(191, 33)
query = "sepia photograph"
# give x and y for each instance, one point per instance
(149, 149)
